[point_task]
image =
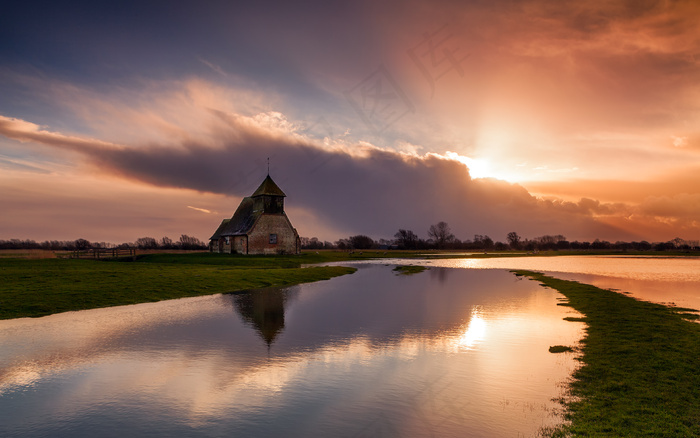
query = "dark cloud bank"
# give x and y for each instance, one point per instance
(355, 190)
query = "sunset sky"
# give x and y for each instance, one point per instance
(123, 120)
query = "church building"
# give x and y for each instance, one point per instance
(259, 225)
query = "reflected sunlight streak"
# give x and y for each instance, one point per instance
(474, 332)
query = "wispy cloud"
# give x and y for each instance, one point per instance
(14, 164)
(203, 210)
(214, 67)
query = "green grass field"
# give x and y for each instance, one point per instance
(640, 373)
(38, 287)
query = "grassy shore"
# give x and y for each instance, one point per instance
(640, 373)
(409, 270)
(38, 287)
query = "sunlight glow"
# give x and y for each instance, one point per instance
(480, 167)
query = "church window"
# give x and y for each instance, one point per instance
(273, 238)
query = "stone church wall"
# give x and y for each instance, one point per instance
(259, 239)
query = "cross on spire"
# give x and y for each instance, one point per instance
(268, 166)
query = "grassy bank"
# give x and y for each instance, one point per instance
(640, 373)
(409, 270)
(38, 287)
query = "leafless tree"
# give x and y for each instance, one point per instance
(441, 234)
(514, 240)
(188, 242)
(166, 242)
(146, 243)
(406, 239)
(82, 244)
(361, 241)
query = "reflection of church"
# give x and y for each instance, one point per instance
(264, 310)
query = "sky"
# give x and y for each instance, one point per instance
(154, 118)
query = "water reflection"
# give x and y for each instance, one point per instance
(475, 330)
(665, 280)
(457, 353)
(439, 274)
(263, 309)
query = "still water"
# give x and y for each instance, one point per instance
(665, 280)
(446, 352)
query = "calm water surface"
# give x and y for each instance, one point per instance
(665, 280)
(446, 352)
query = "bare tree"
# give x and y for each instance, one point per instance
(310, 243)
(188, 242)
(82, 244)
(513, 240)
(483, 241)
(441, 234)
(361, 241)
(343, 244)
(146, 243)
(406, 239)
(550, 242)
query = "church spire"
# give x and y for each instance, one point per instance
(269, 188)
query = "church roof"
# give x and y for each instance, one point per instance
(268, 187)
(242, 220)
(221, 228)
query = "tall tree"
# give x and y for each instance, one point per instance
(361, 241)
(441, 234)
(406, 239)
(82, 244)
(513, 240)
(146, 243)
(189, 242)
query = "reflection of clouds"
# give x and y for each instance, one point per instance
(201, 364)
(282, 378)
(212, 393)
(211, 381)
(632, 267)
(33, 348)
(25, 375)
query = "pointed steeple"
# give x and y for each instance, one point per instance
(269, 188)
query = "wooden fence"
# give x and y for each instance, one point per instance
(97, 253)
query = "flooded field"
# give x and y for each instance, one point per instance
(446, 352)
(665, 280)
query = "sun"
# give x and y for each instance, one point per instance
(482, 168)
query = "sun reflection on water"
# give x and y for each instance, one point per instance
(474, 332)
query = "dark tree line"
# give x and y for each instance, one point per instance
(314, 243)
(440, 237)
(185, 242)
